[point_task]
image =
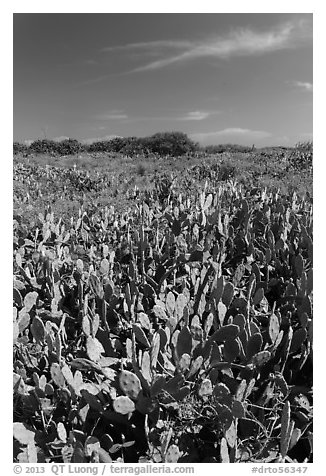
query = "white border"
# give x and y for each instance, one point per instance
(168, 6)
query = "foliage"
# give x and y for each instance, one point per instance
(162, 144)
(43, 146)
(171, 143)
(301, 156)
(69, 147)
(19, 148)
(179, 330)
(220, 148)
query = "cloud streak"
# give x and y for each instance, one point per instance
(303, 85)
(232, 132)
(118, 114)
(157, 45)
(115, 114)
(196, 116)
(239, 42)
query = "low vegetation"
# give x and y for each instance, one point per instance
(162, 306)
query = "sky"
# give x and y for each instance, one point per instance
(220, 78)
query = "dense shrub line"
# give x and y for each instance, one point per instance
(163, 144)
(160, 144)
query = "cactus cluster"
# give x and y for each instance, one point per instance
(179, 331)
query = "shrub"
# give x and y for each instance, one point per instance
(141, 169)
(226, 171)
(171, 143)
(69, 147)
(19, 148)
(300, 157)
(44, 146)
(220, 148)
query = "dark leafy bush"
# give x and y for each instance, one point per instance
(69, 147)
(19, 148)
(226, 171)
(65, 147)
(43, 146)
(300, 157)
(113, 145)
(171, 143)
(132, 146)
(163, 143)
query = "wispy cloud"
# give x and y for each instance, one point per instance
(305, 86)
(196, 116)
(232, 132)
(239, 42)
(115, 114)
(149, 46)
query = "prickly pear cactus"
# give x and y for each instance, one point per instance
(129, 384)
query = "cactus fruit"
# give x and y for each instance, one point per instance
(129, 384)
(205, 388)
(184, 363)
(172, 455)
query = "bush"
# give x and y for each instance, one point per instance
(69, 147)
(162, 143)
(19, 148)
(113, 145)
(226, 171)
(220, 148)
(300, 157)
(171, 143)
(64, 147)
(43, 146)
